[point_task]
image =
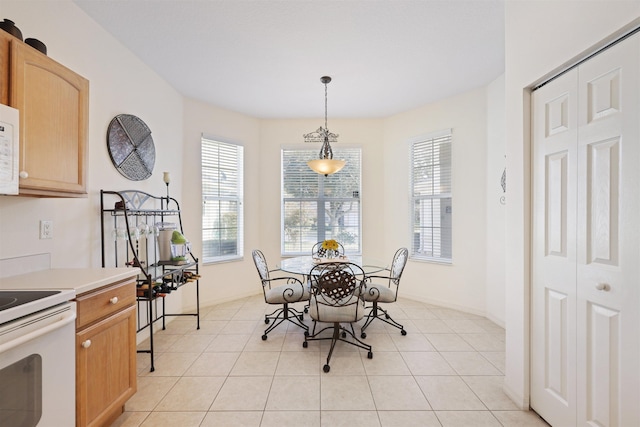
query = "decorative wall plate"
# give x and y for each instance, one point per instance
(131, 147)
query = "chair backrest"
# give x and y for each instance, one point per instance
(318, 251)
(397, 265)
(261, 265)
(337, 285)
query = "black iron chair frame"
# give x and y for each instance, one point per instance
(346, 285)
(284, 313)
(377, 312)
(318, 252)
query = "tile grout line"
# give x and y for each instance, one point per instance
(394, 348)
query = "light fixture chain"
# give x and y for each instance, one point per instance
(326, 128)
(326, 165)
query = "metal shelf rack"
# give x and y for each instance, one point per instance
(130, 222)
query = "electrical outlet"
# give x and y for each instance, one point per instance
(46, 229)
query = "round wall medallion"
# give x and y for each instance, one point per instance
(131, 147)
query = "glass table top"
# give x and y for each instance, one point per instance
(304, 264)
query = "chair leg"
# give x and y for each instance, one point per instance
(282, 314)
(339, 334)
(377, 312)
(334, 340)
(356, 341)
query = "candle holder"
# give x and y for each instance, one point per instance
(167, 179)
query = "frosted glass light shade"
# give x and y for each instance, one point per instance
(326, 166)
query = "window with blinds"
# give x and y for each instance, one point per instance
(431, 197)
(315, 207)
(222, 192)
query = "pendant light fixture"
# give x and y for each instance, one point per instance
(326, 164)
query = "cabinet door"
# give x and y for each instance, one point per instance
(54, 106)
(5, 41)
(106, 368)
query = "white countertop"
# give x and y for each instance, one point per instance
(79, 279)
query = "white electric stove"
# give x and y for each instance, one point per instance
(19, 303)
(37, 358)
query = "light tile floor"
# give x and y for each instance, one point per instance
(447, 371)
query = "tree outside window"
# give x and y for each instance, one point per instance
(315, 207)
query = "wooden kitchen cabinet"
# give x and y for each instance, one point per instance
(54, 114)
(105, 353)
(5, 41)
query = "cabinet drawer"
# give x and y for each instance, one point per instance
(95, 305)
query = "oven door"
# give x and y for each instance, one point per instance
(37, 369)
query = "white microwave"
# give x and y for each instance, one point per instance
(9, 149)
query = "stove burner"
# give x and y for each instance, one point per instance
(4, 301)
(10, 299)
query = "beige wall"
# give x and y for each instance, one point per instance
(496, 206)
(263, 140)
(119, 83)
(385, 185)
(540, 36)
(461, 284)
(229, 280)
(363, 133)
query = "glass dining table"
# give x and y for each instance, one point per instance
(303, 264)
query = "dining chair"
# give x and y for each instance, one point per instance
(384, 289)
(318, 252)
(337, 298)
(291, 290)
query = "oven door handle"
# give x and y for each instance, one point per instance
(67, 318)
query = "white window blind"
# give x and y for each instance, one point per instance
(315, 207)
(222, 203)
(431, 223)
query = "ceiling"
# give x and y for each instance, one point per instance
(264, 58)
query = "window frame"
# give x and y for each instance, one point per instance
(431, 138)
(238, 197)
(313, 153)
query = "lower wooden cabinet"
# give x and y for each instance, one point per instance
(105, 353)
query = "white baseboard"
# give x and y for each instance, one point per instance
(442, 304)
(518, 399)
(191, 308)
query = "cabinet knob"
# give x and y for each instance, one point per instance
(114, 300)
(86, 344)
(603, 287)
(23, 174)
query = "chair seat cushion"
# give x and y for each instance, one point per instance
(293, 292)
(350, 309)
(379, 293)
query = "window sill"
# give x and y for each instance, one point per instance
(432, 260)
(222, 260)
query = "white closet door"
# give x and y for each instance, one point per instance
(553, 311)
(585, 326)
(609, 237)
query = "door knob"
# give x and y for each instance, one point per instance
(86, 344)
(23, 174)
(114, 300)
(603, 287)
